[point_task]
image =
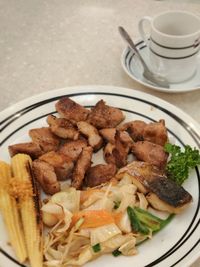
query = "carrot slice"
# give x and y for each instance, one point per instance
(93, 218)
(117, 217)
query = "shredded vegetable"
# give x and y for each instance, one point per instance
(112, 218)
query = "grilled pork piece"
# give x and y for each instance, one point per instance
(46, 176)
(45, 139)
(149, 152)
(104, 116)
(82, 165)
(135, 129)
(163, 193)
(31, 149)
(63, 165)
(71, 110)
(73, 149)
(99, 174)
(108, 134)
(62, 127)
(116, 153)
(94, 139)
(125, 138)
(156, 133)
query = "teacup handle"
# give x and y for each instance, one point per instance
(142, 32)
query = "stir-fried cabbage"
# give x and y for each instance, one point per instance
(52, 213)
(85, 256)
(125, 224)
(116, 242)
(143, 204)
(101, 204)
(128, 248)
(103, 233)
(69, 199)
(76, 235)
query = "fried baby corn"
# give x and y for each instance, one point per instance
(29, 208)
(9, 210)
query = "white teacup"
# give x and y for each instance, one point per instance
(173, 42)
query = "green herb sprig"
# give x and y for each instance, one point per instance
(181, 162)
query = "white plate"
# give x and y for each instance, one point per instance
(175, 245)
(133, 68)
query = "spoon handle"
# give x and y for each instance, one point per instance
(128, 39)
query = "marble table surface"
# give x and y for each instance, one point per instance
(50, 44)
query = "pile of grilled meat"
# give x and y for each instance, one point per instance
(64, 149)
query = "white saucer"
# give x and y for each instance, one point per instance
(133, 68)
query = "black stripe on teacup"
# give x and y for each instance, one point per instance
(173, 57)
(195, 45)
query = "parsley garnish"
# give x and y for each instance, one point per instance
(181, 162)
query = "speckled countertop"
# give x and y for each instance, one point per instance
(52, 44)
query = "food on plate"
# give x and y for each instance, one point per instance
(70, 110)
(63, 165)
(62, 127)
(73, 149)
(29, 203)
(94, 139)
(82, 165)
(109, 135)
(92, 207)
(100, 173)
(162, 193)
(181, 162)
(30, 148)
(104, 116)
(151, 153)
(9, 210)
(117, 152)
(46, 176)
(30, 212)
(45, 139)
(154, 132)
(110, 219)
